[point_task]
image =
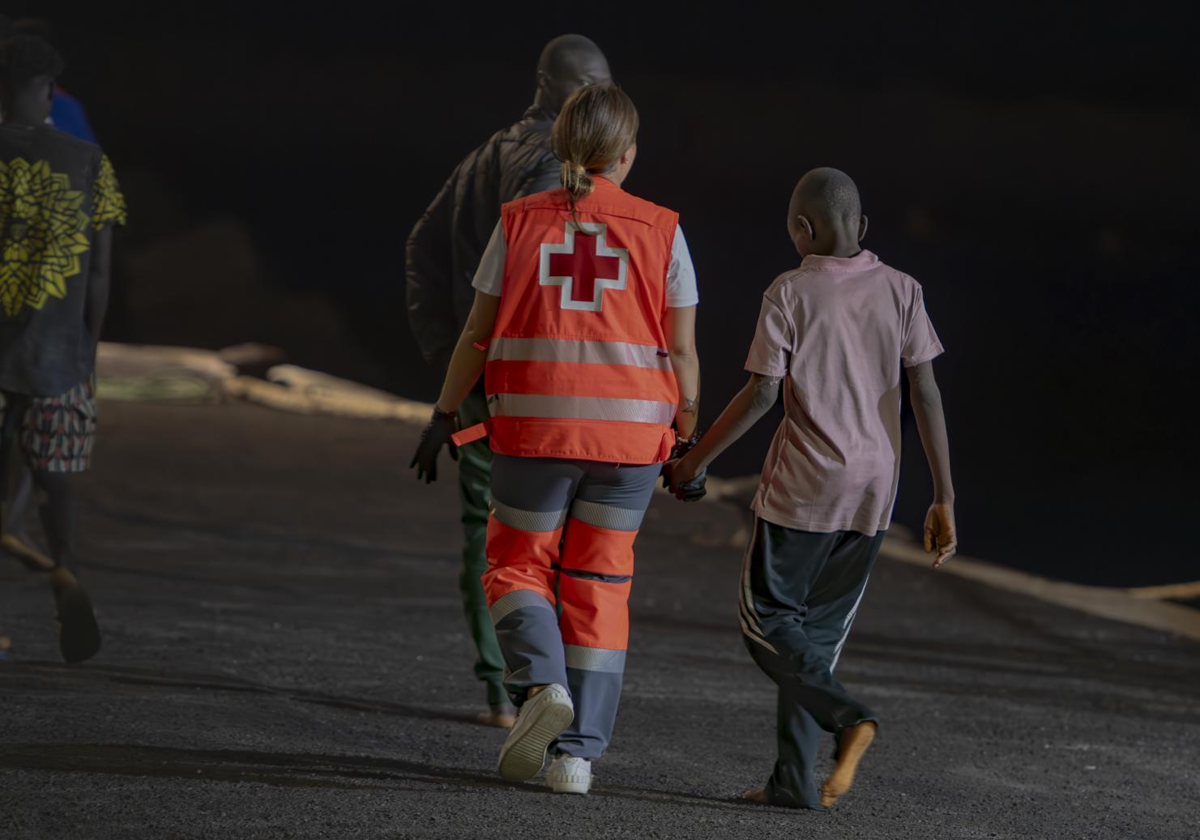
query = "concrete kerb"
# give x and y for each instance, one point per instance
(146, 372)
(143, 372)
(1117, 604)
(313, 397)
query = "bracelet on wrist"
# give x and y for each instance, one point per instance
(684, 445)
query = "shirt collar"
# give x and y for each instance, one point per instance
(845, 265)
(536, 113)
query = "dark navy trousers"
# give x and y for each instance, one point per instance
(798, 597)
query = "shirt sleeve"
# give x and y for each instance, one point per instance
(771, 350)
(489, 277)
(681, 274)
(108, 204)
(921, 343)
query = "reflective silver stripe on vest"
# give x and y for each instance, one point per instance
(604, 516)
(515, 600)
(529, 520)
(578, 351)
(595, 659)
(581, 408)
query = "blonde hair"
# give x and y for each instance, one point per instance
(597, 125)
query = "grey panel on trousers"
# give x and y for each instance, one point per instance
(539, 484)
(595, 659)
(606, 516)
(626, 486)
(533, 649)
(529, 520)
(596, 695)
(517, 600)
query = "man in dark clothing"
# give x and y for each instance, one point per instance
(59, 201)
(443, 253)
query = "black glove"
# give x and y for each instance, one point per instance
(694, 490)
(436, 435)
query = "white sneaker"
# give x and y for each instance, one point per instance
(568, 774)
(539, 722)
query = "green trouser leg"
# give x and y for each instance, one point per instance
(474, 484)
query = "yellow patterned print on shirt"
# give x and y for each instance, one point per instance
(108, 204)
(43, 232)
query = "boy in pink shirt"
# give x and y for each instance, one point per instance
(836, 331)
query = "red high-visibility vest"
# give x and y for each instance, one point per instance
(578, 365)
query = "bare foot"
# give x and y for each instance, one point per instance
(758, 795)
(852, 745)
(499, 719)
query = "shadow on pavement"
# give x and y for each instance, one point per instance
(101, 675)
(345, 772)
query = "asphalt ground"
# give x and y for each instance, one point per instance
(285, 656)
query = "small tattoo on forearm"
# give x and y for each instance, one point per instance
(689, 406)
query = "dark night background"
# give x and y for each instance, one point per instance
(1033, 170)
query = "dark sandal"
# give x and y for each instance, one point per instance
(79, 633)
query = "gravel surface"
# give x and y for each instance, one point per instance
(285, 657)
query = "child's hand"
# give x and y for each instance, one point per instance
(673, 473)
(940, 533)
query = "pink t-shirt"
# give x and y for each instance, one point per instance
(839, 329)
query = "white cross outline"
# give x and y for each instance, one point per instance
(567, 282)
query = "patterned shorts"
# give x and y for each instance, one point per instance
(58, 432)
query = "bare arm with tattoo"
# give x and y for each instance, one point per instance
(681, 334)
(940, 531)
(744, 410)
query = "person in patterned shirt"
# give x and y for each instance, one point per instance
(67, 114)
(59, 201)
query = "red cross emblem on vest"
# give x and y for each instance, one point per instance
(583, 266)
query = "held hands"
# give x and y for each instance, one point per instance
(680, 476)
(436, 435)
(941, 536)
(682, 480)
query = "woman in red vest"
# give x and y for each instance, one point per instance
(584, 323)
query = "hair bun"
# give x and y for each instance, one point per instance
(576, 180)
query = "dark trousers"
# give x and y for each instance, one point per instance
(798, 597)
